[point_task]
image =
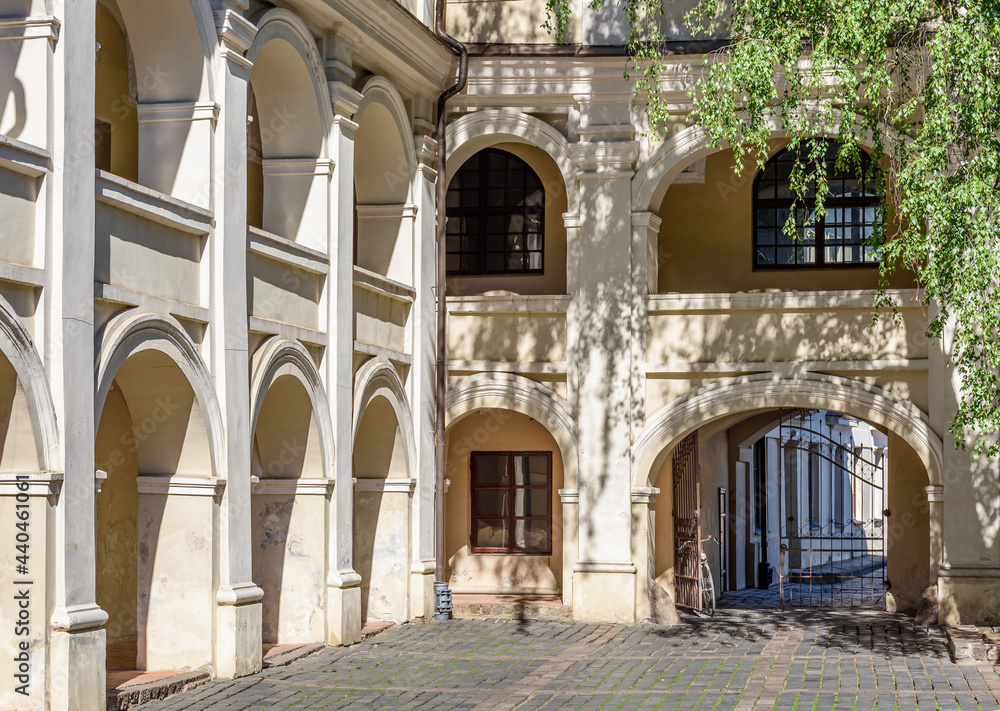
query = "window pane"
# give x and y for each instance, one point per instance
(454, 263)
(531, 502)
(515, 262)
(765, 256)
(491, 502)
(765, 216)
(766, 235)
(534, 242)
(491, 470)
(531, 471)
(494, 262)
(535, 260)
(535, 199)
(491, 533)
(531, 535)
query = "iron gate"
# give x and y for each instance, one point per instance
(833, 509)
(687, 523)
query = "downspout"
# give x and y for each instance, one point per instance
(442, 595)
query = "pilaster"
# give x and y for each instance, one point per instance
(604, 575)
(73, 672)
(421, 381)
(343, 583)
(238, 612)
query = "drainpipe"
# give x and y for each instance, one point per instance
(442, 595)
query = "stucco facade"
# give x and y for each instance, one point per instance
(217, 325)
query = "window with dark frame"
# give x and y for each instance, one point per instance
(496, 217)
(841, 238)
(512, 503)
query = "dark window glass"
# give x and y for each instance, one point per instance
(841, 238)
(496, 214)
(512, 502)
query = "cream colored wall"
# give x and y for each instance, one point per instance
(381, 518)
(18, 451)
(908, 528)
(781, 336)
(507, 337)
(706, 241)
(379, 319)
(282, 293)
(664, 530)
(115, 104)
(18, 196)
(497, 430)
(117, 522)
(505, 21)
(147, 256)
(553, 281)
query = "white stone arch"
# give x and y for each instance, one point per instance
(509, 391)
(473, 132)
(377, 378)
(767, 392)
(280, 24)
(17, 346)
(279, 357)
(379, 91)
(133, 332)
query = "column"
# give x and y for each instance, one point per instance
(421, 382)
(238, 615)
(343, 583)
(604, 576)
(76, 652)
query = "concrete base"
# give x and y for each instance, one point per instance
(604, 596)
(343, 606)
(238, 651)
(76, 675)
(511, 607)
(143, 687)
(968, 600)
(422, 595)
(968, 644)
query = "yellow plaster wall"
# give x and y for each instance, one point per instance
(664, 534)
(114, 105)
(117, 522)
(500, 431)
(706, 241)
(507, 21)
(908, 528)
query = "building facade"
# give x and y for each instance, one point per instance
(217, 270)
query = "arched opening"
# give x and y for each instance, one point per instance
(383, 171)
(116, 132)
(153, 125)
(382, 509)
(706, 242)
(809, 508)
(288, 515)
(506, 232)
(156, 515)
(288, 179)
(505, 526)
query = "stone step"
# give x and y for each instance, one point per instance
(510, 607)
(130, 688)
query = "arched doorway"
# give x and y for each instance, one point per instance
(811, 505)
(158, 507)
(383, 493)
(292, 448)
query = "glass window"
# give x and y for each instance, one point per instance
(512, 502)
(496, 217)
(841, 238)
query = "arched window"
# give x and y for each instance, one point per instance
(496, 214)
(838, 239)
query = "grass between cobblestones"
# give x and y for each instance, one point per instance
(738, 661)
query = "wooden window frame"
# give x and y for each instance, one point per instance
(481, 242)
(509, 517)
(832, 202)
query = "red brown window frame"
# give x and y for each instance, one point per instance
(510, 518)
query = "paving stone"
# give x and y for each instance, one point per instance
(739, 660)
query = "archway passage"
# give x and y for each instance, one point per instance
(807, 508)
(155, 518)
(289, 510)
(382, 509)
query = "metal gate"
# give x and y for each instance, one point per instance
(833, 510)
(687, 523)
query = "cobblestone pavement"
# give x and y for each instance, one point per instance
(737, 661)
